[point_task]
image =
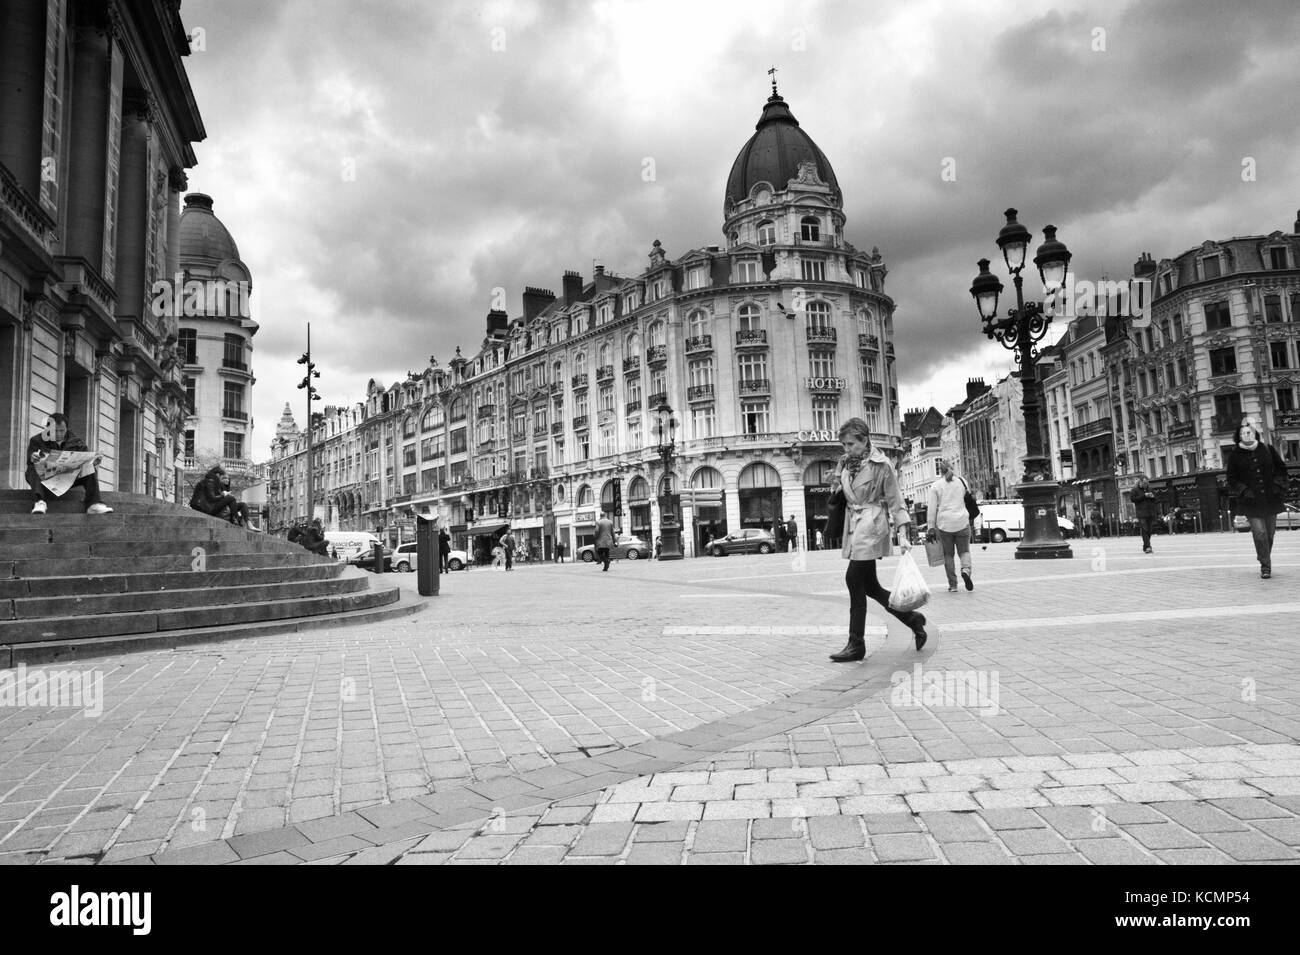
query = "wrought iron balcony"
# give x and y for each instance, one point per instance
(868, 342)
(580, 380)
(579, 422)
(232, 365)
(699, 393)
(234, 414)
(632, 364)
(605, 373)
(873, 388)
(632, 407)
(656, 354)
(539, 429)
(486, 411)
(700, 343)
(1091, 429)
(821, 335)
(557, 427)
(655, 400)
(756, 337)
(889, 348)
(756, 386)
(557, 387)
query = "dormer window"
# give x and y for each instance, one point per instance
(1211, 267)
(606, 312)
(747, 271)
(810, 229)
(695, 278)
(860, 278)
(767, 232)
(1277, 258)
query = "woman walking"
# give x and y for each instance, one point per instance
(1257, 475)
(872, 497)
(1144, 504)
(950, 524)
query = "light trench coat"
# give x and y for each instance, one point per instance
(872, 500)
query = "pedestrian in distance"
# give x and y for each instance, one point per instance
(53, 439)
(819, 539)
(872, 498)
(1144, 503)
(604, 540)
(778, 534)
(212, 497)
(508, 548)
(950, 524)
(444, 550)
(658, 546)
(792, 533)
(1258, 477)
(559, 552)
(1095, 521)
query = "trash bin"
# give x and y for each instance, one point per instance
(378, 557)
(427, 576)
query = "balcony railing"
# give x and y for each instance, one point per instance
(893, 395)
(557, 387)
(821, 335)
(539, 429)
(656, 354)
(632, 364)
(889, 349)
(752, 337)
(580, 380)
(1224, 425)
(486, 411)
(632, 407)
(699, 343)
(655, 400)
(699, 393)
(557, 427)
(873, 388)
(579, 422)
(756, 386)
(870, 342)
(234, 414)
(1091, 429)
(605, 373)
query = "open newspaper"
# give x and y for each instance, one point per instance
(59, 470)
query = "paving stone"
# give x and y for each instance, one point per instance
(537, 855)
(565, 816)
(662, 832)
(264, 843)
(1028, 842)
(915, 770)
(615, 812)
(1250, 808)
(1250, 846)
(703, 793)
(738, 809)
(778, 852)
(891, 822)
(333, 847)
(1205, 856)
(737, 777)
(381, 855)
(1286, 831)
(1010, 799)
(843, 857)
(1079, 795)
(863, 772)
(872, 805)
(1113, 851)
(1054, 859)
(1219, 789)
(668, 811)
(715, 858)
(656, 853)
(804, 808)
(1085, 777)
(1199, 817)
(999, 819)
(211, 853)
(552, 836)
(1165, 836)
(835, 832)
(447, 840)
(1096, 760)
(954, 826)
(1077, 822)
(941, 802)
(901, 847)
(809, 774)
(975, 853)
(603, 839)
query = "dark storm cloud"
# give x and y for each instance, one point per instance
(496, 145)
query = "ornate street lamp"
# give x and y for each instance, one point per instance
(670, 528)
(309, 384)
(1019, 331)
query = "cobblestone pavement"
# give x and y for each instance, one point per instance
(1113, 708)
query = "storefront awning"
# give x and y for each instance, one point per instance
(488, 527)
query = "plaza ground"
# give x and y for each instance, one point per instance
(1113, 708)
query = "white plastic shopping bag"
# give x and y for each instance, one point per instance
(909, 591)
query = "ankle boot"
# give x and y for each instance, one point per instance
(918, 630)
(854, 650)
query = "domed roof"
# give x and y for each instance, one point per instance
(773, 154)
(204, 241)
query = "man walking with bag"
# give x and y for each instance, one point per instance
(604, 540)
(950, 524)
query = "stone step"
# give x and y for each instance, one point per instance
(29, 608)
(137, 548)
(135, 583)
(15, 632)
(20, 502)
(99, 566)
(64, 527)
(66, 651)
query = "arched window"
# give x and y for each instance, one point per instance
(655, 334)
(638, 490)
(606, 355)
(810, 228)
(607, 497)
(632, 346)
(749, 318)
(759, 475)
(586, 497)
(432, 417)
(734, 238)
(706, 478)
(558, 368)
(819, 316)
(866, 322)
(767, 232)
(458, 409)
(697, 324)
(559, 494)
(580, 363)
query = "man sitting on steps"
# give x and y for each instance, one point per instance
(49, 443)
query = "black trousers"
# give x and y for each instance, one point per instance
(602, 554)
(862, 582)
(1144, 526)
(442, 560)
(509, 554)
(90, 482)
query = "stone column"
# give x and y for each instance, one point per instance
(23, 29)
(133, 206)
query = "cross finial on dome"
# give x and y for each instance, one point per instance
(772, 73)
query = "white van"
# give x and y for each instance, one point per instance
(350, 545)
(1000, 520)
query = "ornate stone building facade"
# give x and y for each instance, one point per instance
(98, 121)
(760, 348)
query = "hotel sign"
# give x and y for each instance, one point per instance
(1181, 433)
(825, 384)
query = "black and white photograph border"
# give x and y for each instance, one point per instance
(616, 364)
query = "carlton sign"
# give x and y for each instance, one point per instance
(815, 437)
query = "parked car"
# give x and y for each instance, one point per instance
(366, 560)
(633, 548)
(406, 559)
(1288, 519)
(751, 540)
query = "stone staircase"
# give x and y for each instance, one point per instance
(154, 575)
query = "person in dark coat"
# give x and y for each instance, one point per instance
(444, 549)
(311, 537)
(212, 496)
(792, 533)
(1148, 512)
(1257, 475)
(55, 438)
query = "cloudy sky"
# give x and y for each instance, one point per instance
(385, 165)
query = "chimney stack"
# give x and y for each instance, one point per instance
(1144, 267)
(497, 323)
(572, 287)
(535, 300)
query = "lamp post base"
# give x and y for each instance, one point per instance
(670, 543)
(1042, 537)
